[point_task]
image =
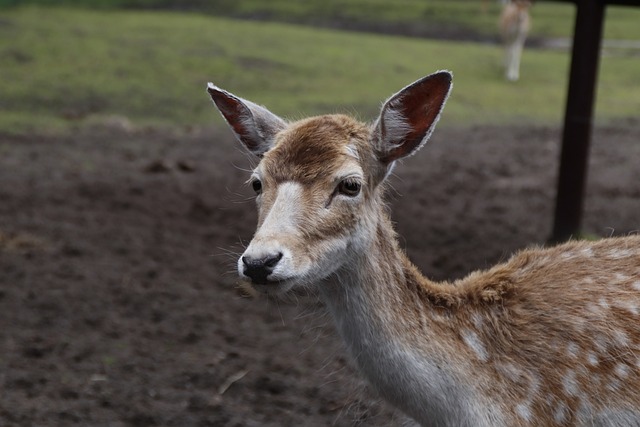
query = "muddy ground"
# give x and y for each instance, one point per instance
(118, 304)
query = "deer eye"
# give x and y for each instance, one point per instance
(256, 184)
(349, 187)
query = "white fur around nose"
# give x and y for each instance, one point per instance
(279, 227)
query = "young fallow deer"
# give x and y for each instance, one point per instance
(514, 27)
(549, 338)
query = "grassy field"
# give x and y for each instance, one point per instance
(61, 67)
(551, 18)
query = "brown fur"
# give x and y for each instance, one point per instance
(552, 312)
(531, 306)
(565, 317)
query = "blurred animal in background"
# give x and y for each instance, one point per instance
(514, 27)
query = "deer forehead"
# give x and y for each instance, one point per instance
(318, 149)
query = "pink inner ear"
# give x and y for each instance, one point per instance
(420, 105)
(421, 114)
(235, 112)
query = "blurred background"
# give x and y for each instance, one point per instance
(123, 208)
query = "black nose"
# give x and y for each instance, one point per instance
(259, 268)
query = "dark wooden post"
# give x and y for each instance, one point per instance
(578, 118)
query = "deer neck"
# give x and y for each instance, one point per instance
(374, 297)
(379, 285)
(385, 314)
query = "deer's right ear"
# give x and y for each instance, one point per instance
(408, 118)
(253, 125)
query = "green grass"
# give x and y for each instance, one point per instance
(61, 67)
(551, 18)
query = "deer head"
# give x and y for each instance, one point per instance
(318, 183)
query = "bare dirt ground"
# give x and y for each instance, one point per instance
(118, 304)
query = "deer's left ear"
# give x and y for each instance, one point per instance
(253, 125)
(408, 118)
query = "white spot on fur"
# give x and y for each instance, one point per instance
(573, 349)
(603, 303)
(535, 384)
(473, 341)
(636, 285)
(509, 370)
(592, 358)
(588, 252)
(629, 306)
(621, 338)
(570, 383)
(593, 308)
(560, 414)
(613, 253)
(622, 370)
(524, 410)
(622, 277)
(621, 253)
